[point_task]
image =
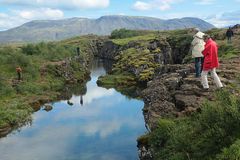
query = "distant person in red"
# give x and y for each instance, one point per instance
(210, 63)
(229, 34)
(19, 73)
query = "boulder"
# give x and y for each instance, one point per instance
(47, 107)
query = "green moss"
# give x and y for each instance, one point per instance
(124, 83)
(157, 50)
(136, 59)
(125, 41)
(120, 80)
(143, 140)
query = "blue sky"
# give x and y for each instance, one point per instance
(218, 12)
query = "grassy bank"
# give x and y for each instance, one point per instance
(46, 69)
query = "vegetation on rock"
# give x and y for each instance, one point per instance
(46, 69)
(211, 134)
(142, 54)
(123, 33)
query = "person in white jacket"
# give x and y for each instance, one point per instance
(197, 48)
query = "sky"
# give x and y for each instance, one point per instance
(220, 13)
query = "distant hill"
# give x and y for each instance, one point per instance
(48, 30)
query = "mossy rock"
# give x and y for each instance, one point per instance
(143, 140)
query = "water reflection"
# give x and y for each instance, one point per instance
(100, 124)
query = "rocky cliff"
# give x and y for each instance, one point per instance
(142, 58)
(172, 91)
(177, 93)
(103, 48)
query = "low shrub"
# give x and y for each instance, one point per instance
(203, 135)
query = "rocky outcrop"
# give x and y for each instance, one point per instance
(105, 49)
(236, 29)
(142, 58)
(166, 50)
(162, 50)
(180, 47)
(48, 107)
(175, 92)
(172, 91)
(4, 130)
(68, 69)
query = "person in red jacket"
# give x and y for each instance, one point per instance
(19, 73)
(210, 63)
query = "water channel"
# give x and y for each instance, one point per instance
(103, 124)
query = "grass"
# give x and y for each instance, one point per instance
(43, 76)
(125, 41)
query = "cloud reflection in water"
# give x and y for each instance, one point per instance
(105, 127)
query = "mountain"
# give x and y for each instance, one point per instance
(48, 30)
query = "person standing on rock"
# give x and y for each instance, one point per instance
(229, 34)
(210, 62)
(197, 48)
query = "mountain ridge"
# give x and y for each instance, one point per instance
(50, 30)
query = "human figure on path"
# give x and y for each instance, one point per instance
(210, 62)
(197, 48)
(229, 34)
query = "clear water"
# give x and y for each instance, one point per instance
(104, 127)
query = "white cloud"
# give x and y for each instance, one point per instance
(18, 17)
(155, 4)
(224, 19)
(69, 4)
(102, 128)
(94, 94)
(8, 21)
(205, 2)
(42, 13)
(91, 4)
(142, 6)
